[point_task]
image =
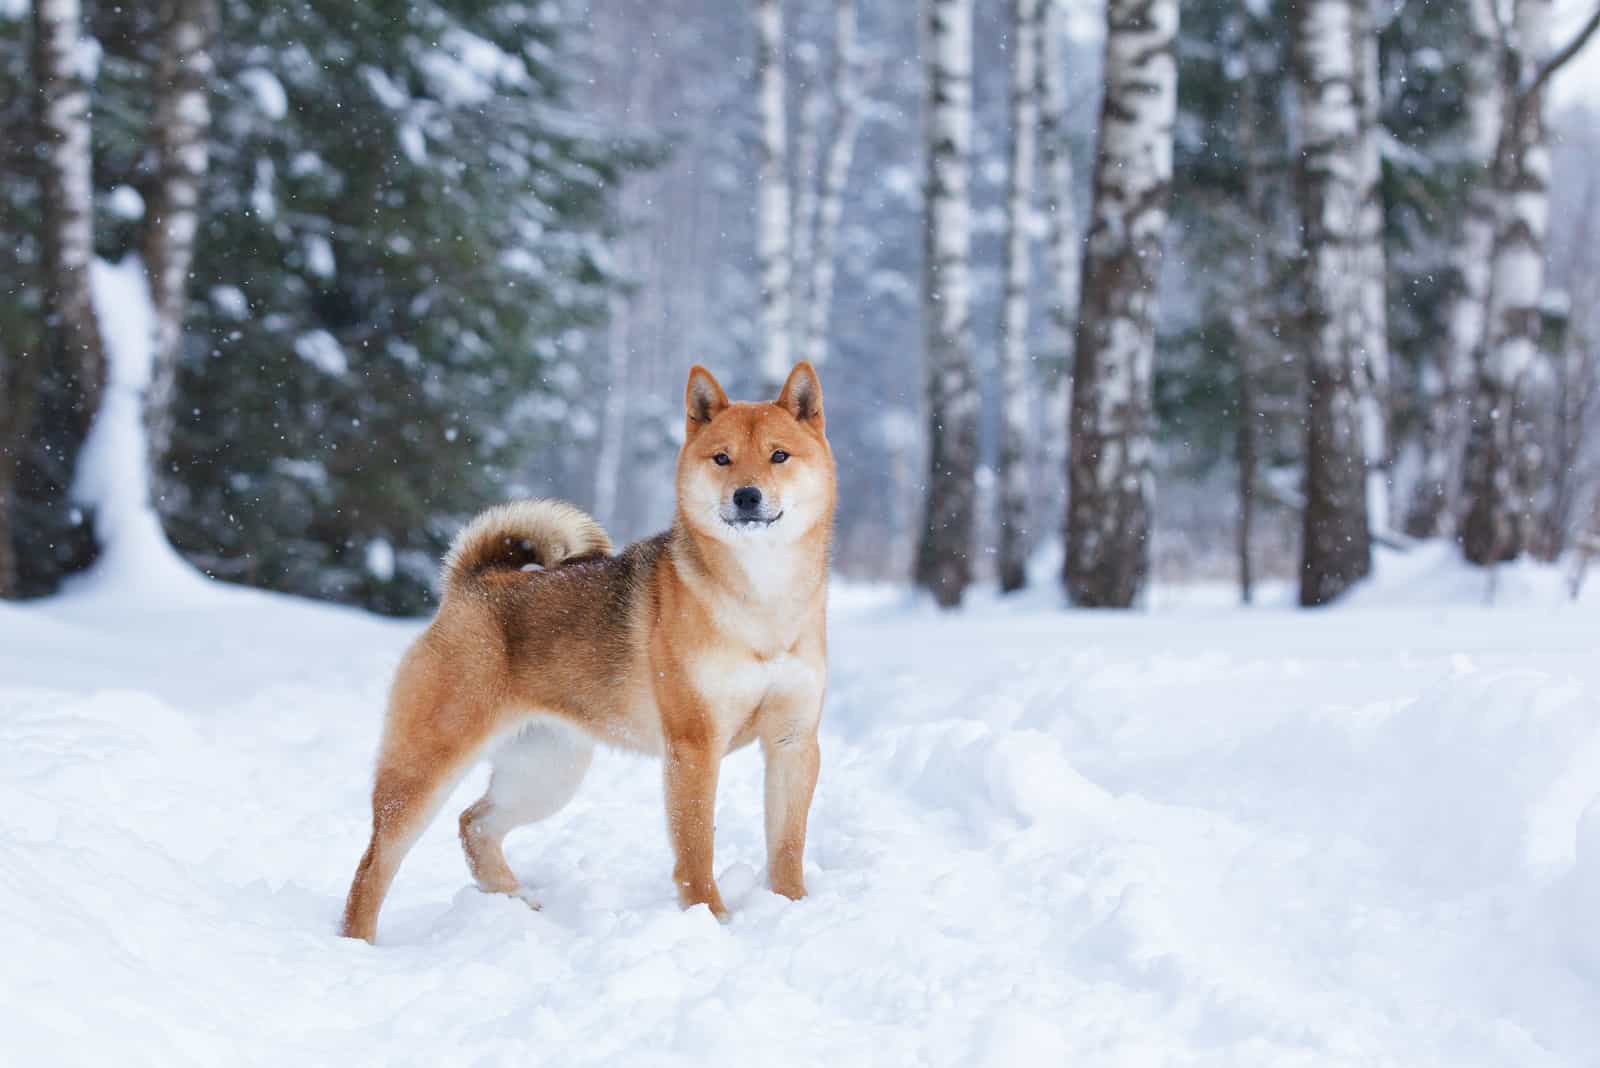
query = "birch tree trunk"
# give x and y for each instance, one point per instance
(804, 190)
(1015, 385)
(944, 554)
(10, 445)
(1246, 319)
(1109, 491)
(1499, 519)
(180, 130)
(847, 97)
(1061, 242)
(1336, 541)
(74, 359)
(1374, 327)
(614, 417)
(1447, 383)
(773, 203)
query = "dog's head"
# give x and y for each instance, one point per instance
(755, 470)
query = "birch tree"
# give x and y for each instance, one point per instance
(180, 130)
(847, 99)
(10, 446)
(1373, 269)
(1109, 483)
(1501, 463)
(944, 553)
(74, 359)
(773, 222)
(1062, 236)
(1447, 381)
(1015, 387)
(1336, 548)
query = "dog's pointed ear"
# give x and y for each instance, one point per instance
(802, 394)
(704, 399)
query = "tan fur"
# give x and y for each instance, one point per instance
(688, 645)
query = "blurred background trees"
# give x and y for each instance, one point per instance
(1323, 272)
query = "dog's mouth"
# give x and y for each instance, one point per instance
(751, 522)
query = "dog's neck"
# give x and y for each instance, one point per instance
(782, 573)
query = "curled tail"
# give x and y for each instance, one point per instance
(522, 536)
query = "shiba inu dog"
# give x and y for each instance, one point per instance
(689, 645)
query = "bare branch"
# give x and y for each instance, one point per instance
(1561, 58)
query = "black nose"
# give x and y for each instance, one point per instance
(747, 498)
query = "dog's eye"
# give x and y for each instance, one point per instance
(722, 459)
(779, 456)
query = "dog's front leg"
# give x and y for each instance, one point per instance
(793, 758)
(693, 761)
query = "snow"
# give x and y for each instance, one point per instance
(230, 301)
(267, 91)
(113, 472)
(126, 203)
(319, 256)
(467, 70)
(1201, 835)
(322, 350)
(380, 559)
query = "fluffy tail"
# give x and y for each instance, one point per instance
(522, 536)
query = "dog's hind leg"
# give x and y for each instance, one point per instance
(535, 774)
(434, 733)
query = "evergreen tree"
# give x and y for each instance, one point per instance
(1228, 382)
(403, 248)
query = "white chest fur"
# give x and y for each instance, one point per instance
(736, 684)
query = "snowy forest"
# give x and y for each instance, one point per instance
(1231, 296)
(1211, 310)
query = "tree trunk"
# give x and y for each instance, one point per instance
(9, 442)
(1108, 508)
(804, 189)
(1061, 245)
(1374, 327)
(1447, 386)
(1015, 386)
(1499, 519)
(1336, 541)
(74, 358)
(180, 129)
(1244, 320)
(835, 176)
(614, 418)
(773, 223)
(944, 555)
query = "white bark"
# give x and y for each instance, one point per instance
(847, 96)
(1108, 511)
(1499, 519)
(76, 356)
(1447, 384)
(773, 221)
(1015, 381)
(803, 189)
(614, 416)
(1374, 330)
(944, 556)
(1336, 543)
(180, 130)
(1062, 241)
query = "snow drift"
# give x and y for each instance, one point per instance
(1199, 836)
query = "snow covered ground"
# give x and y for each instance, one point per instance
(1198, 835)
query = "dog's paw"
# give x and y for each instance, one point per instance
(524, 895)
